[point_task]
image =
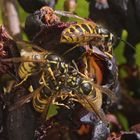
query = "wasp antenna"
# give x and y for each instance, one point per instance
(126, 42)
(68, 14)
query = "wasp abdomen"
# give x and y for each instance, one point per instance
(26, 68)
(79, 32)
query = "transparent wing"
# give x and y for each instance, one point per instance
(89, 103)
(25, 99)
(80, 35)
(20, 59)
(68, 14)
(108, 92)
(24, 44)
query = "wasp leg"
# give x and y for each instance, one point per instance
(59, 104)
(86, 66)
(71, 49)
(26, 77)
(74, 99)
(64, 97)
(75, 65)
(51, 73)
(42, 80)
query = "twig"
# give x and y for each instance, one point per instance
(10, 17)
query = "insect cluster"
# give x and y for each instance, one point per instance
(70, 65)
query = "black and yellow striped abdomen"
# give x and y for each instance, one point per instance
(26, 69)
(40, 101)
(79, 32)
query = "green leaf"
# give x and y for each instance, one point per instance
(52, 110)
(123, 121)
(120, 49)
(138, 54)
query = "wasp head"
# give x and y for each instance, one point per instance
(108, 39)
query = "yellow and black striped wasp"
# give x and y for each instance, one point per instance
(88, 33)
(84, 33)
(81, 33)
(59, 80)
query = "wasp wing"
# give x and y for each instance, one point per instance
(24, 44)
(90, 36)
(20, 59)
(24, 99)
(68, 14)
(89, 103)
(107, 91)
(81, 39)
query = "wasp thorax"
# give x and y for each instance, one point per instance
(63, 67)
(53, 57)
(86, 87)
(53, 61)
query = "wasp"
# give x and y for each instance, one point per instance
(35, 62)
(83, 33)
(88, 33)
(60, 80)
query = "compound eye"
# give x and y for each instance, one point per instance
(103, 31)
(86, 87)
(36, 57)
